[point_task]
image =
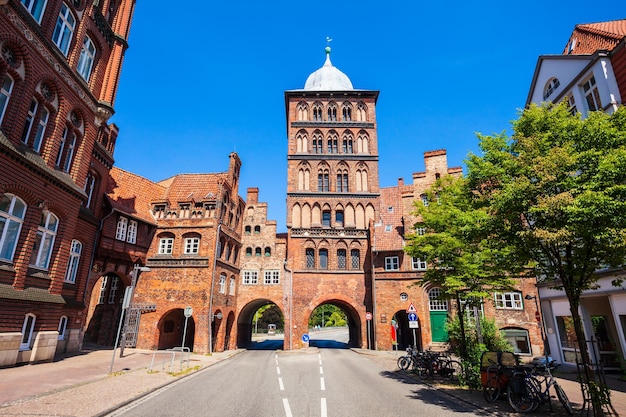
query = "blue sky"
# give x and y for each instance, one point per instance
(200, 83)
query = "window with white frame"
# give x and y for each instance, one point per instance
(392, 263)
(166, 246)
(518, 338)
(592, 96)
(424, 199)
(551, 85)
(436, 302)
(62, 327)
(64, 29)
(113, 292)
(90, 185)
(420, 231)
(103, 289)
(508, 300)
(30, 118)
(571, 103)
(5, 94)
(231, 290)
(271, 277)
(35, 8)
(86, 59)
(69, 154)
(250, 277)
(418, 264)
(12, 211)
(42, 123)
(122, 227)
(222, 289)
(28, 328)
(44, 242)
(192, 246)
(131, 235)
(72, 264)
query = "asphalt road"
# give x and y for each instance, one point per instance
(328, 382)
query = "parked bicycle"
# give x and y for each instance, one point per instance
(407, 361)
(526, 391)
(431, 363)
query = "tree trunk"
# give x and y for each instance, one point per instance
(588, 372)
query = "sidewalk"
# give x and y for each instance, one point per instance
(81, 386)
(568, 382)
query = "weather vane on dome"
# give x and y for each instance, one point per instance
(328, 40)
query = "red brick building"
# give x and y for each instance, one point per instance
(60, 65)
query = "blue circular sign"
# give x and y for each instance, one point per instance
(412, 317)
(305, 337)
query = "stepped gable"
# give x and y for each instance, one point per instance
(192, 187)
(391, 214)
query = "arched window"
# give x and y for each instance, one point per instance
(5, 94)
(64, 29)
(62, 327)
(310, 258)
(355, 259)
(257, 230)
(86, 59)
(303, 111)
(27, 331)
(323, 253)
(166, 244)
(347, 112)
(44, 242)
(12, 211)
(332, 112)
(257, 251)
(72, 264)
(91, 185)
(268, 251)
(248, 251)
(322, 181)
(248, 230)
(332, 143)
(222, 289)
(435, 300)
(341, 259)
(317, 112)
(37, 114)
(317, 143)
(231, 287)
(347, 144)
(551, 85)
(342, 181)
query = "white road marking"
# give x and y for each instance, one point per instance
(287, 409)
(280, 384)
(322, 385)
(278, 370)
(321, 371)
(324, 410)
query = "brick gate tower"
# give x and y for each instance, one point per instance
(332, 198)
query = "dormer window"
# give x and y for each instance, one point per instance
(551, 85)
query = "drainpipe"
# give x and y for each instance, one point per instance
(217, 242)
(290, 272)
(372, 251)
(93, 252)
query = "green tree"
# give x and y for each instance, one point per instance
(556, 191)
(453, 235)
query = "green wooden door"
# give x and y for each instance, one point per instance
(438, 326)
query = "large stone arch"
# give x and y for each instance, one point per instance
(356, 321)
(245, 319)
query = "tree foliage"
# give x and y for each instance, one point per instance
(556, 193)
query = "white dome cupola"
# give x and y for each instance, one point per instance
(328, 78)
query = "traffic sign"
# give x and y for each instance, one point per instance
(188, 311)
(411, 309)
(368, 316)
(414, 325)
(412, 317)
(305, 338)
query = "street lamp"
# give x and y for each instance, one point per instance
(128, 295)
(538, 316)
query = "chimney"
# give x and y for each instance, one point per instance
(253, 195)
(400, 182)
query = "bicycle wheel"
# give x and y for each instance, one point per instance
(520, 395)
(491, 390)
(453, 370)
(404, 362)
(563, 398)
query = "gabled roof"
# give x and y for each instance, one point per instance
(192, 187)
(587, 38)
(132, 194)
